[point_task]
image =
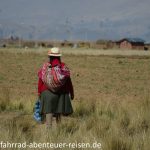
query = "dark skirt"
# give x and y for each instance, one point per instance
(55, 103)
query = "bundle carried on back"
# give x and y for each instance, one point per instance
(54, 77)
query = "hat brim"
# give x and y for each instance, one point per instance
(54, 55)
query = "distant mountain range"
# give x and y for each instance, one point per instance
(64, 32)
(75, 19)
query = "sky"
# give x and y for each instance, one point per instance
(75, 19)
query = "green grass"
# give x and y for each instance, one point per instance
(111, 105)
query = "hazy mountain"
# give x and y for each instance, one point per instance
(75, 19)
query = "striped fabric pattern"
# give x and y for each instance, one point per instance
(36, 114)
(54, 77)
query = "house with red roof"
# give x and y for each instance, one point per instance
(131, 43)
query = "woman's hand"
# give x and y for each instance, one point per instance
(72, 97)
(39, 95)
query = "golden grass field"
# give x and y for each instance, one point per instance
(111, 105)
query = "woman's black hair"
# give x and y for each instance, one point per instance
(51, 58)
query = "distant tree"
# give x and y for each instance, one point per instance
(4, 45)
(101, 41)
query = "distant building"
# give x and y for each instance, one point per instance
(147, 46)
(131, 43)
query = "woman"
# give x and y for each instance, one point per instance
(55, 103)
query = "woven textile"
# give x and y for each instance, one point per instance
(54, 77)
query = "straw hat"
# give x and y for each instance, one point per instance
(55, 51)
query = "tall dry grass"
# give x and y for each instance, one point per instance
(111, 105)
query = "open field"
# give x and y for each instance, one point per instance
(108, 52)
(111, 105)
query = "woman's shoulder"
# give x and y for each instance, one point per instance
(43, 67)
(63, 64)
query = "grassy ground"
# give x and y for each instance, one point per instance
(108, 52)
(111, 105)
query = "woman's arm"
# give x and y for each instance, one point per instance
(40, 84)
(71, 89)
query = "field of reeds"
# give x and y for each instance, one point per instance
(111, 104)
